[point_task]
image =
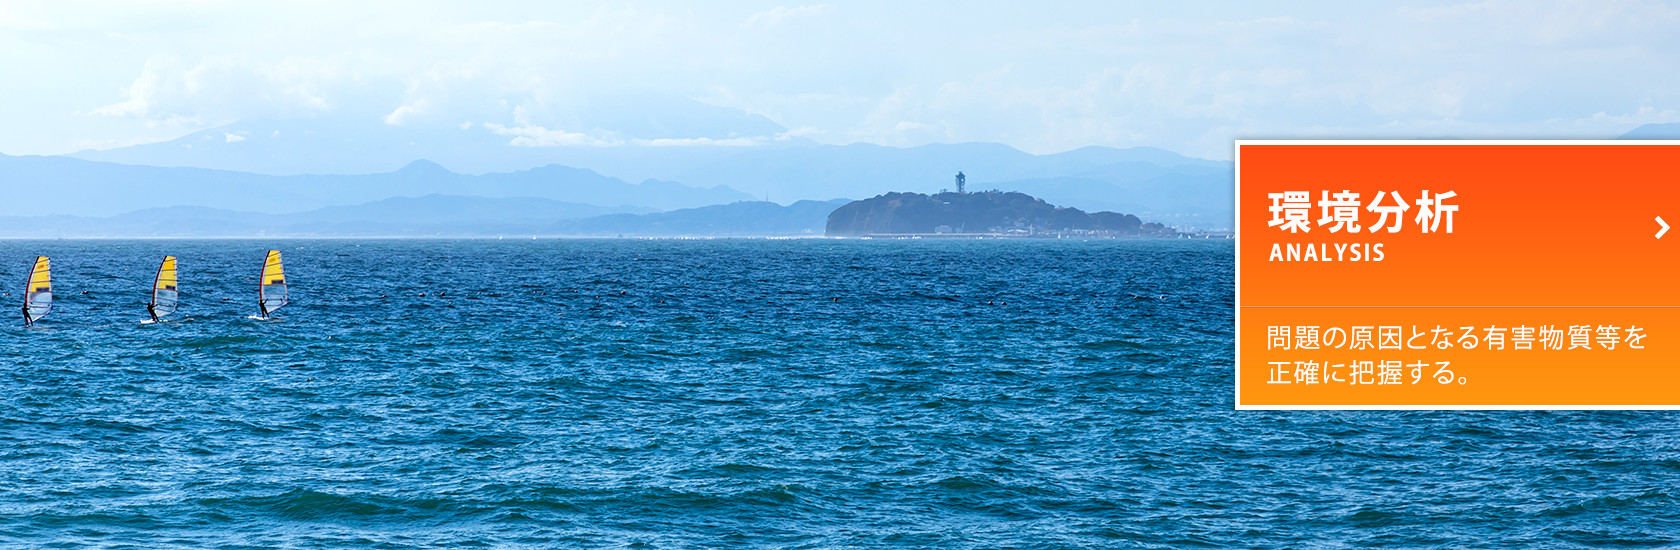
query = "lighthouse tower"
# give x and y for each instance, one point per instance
(960, 180)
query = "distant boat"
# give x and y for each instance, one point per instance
(165, 298)
(271, 291)
(37, 295)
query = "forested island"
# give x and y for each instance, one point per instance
(983, 213)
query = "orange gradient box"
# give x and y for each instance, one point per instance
(1566, 239)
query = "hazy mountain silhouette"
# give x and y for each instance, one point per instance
(79, 187)
(1668, 130)
(746, 218)
(761, 166)
(1155, 184)
(437, 216)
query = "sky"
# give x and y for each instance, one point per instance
(1043, 77)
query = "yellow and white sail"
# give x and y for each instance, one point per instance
(165, 297)
(271, 292)
(37, 296)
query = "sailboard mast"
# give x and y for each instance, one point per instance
(165, 297)
(37, 293)
(271, 290)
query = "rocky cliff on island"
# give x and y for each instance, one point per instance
(990, 212)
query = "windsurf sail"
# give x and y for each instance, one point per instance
(271, 292)
(165, 297)
(37, 296)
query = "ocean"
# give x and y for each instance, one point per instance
(740, 393)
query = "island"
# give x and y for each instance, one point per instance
(980, 214)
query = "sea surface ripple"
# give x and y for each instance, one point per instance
(740, 393)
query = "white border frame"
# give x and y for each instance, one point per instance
(1236, 232)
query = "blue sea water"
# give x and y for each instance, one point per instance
(740, 393)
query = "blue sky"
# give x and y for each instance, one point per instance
(1041, 76)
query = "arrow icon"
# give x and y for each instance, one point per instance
(1664, 226)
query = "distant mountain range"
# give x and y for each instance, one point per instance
(741, 219)
(438, 216)
(306, 176)
(71, 186)
(1669, 130)
(762, 165)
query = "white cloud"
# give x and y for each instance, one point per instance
(221, 88)
(1195, 86)
(537, 136)
(154, 77)
(530, 135)
(1644, 115)
(691, 142)
(779, 14)
(12, 20)
(407, 112)
(1040, 77)
(1529, 23)
(235, 137)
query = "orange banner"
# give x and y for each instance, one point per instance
(1457, 274)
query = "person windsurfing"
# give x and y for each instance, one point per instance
(37, 293)
(271, 289)
(165, 296)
